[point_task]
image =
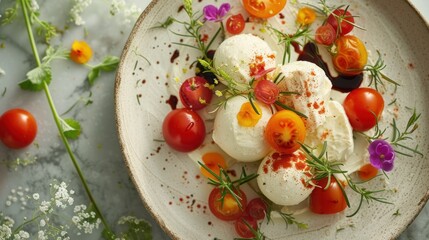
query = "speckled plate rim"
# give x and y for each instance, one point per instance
(121, 138)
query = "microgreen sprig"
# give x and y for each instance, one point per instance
(376, 76)
(289, 39)
(225, 183)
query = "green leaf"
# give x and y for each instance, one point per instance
(36, 77)
(92, 75)
(71, 128)
(110, 63)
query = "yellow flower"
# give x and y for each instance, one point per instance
(81, 52)
(247, 117)
(306, 16)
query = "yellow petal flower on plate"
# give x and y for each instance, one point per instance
(80, 52)
(306, 16)
(247, 117)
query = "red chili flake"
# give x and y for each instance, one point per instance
(300, 165)
(410, 66)
(281, 16)
(284, 162)
(322, 111)
(204, 38)
(316, 105)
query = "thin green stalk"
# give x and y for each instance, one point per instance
(58, 122)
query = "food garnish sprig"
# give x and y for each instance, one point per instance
(226, 184)
(321, 168)
(287, 40)
(375, 74)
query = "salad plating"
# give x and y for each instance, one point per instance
(285, 111)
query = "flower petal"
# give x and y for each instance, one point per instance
(210, 12)
(382, 149)
(387, 166)
(389, 156)
(375, 161)
(223, 10)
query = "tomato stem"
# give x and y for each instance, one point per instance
(58, 122)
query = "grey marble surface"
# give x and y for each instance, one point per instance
(97, 149)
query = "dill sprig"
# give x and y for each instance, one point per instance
(376, 76)
(192, 27)
(399, 136)
(289, 39)
(365, 194)
(226, 185)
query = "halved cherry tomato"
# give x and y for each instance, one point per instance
(214, 161)
(195, 94)
(228, 209)
(367, 172)
(235, 24)
(266, 91)
(264, 8)
(183, 130)
(284, 131)
(305, 16)
(242, 226)
(351, 55)
(18, 128)
(342, 21)
(325, 35)
(327, 201)
(257, 208)
(363, 107)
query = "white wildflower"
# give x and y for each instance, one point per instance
(21, 235)
(62, 197)
(34, 6)
(8, 221)
(5, 231)
(45, 207)
(41, 235)
(86, 221)
(116, 6)
(42, 223)
(77, 9)
(36, 196)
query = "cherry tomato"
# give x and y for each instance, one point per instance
(263, 8)
(367, 172)
(228, 209)
(18, 128)
(266, 91)
(284, 131)
(325, 35)
(183, 130)
(343, 19)
(235, 24)
(195, 94)
(351, 56)
(242, 226)
(256, 208)
(363, 107)
(327, 201)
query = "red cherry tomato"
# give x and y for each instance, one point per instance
(235, 24)
(242, 226)
(18, 128)
(256, 208)
(325, 35)
(327, 201)
(351, 55)
(266, 91)
(228, 209)
(342, 21)
(363, 107)
(195, 94)
(183, 130)
(263, 8)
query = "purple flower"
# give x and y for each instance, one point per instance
(212, 13)
(381, 155)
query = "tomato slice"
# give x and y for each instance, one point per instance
(228, 209)
(325, 35)
(264, 8)
(184, 130)
(214, 161)
(351, 56)
(327, 201)
(367, 172)
(363, 107)
(242, 226)
(235, 24)
(342, 21)
(284, 131)
(18, 128)
(257, 208)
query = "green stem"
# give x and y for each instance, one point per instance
(58, 122)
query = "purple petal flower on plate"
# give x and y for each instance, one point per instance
(212, 13)
(381, 155)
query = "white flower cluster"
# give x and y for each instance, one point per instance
(78, 7)
(130, 14)
(6, 227)
(17, 195)
(85, 220)
(62, 196)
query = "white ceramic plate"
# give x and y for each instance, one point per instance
(168, 181)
